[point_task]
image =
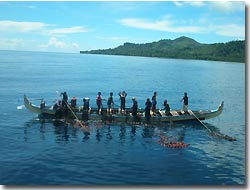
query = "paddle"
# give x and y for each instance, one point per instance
(76, 117)
(226, 137)
(190, 111)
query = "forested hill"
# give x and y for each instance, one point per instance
(180, 48)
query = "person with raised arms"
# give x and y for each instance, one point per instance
(123, 100)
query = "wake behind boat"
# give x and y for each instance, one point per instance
(121, 117)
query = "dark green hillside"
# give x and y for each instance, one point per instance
(181, 48)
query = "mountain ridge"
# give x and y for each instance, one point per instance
(180, 48)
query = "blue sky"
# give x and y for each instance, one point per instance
(65, 26)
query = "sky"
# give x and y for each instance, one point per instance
(66, 26)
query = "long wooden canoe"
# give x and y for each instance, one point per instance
(126, 117)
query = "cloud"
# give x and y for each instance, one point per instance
(38, 27)
(229, 30)
(112, 38)
(191, 3)
(54, 42)
(168, 25)
(227, 6)
(31, 7)
(70, 30)
(13, 43)
(159, 25)
(21, 27)
(219, 6)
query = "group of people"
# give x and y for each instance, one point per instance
(150, 105)
(110, 101)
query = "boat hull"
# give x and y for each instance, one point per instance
(126, 117)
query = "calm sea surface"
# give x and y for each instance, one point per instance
(43, 152)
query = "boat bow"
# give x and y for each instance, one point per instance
(36, 109)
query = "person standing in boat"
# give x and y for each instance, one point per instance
(65, 99)
(86, 108)
(110, 103)
(134, 110)
(154, 102)
(99, 102)
(167, 108)
(185, 103)
(73, 102)
(134, 107)
(59, 109)
(86, 104)
(123, 100)
(148, 106)
(57, 105)
(42, 105)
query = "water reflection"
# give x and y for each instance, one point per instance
(86, 136)
(98, 135)
(122, 133)
(133, 133)
(62, 131)
(65, 131)
(109, 134)
(148, 132)
(133, 130)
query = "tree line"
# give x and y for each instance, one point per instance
(180, 48)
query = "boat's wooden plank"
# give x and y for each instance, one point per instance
(162, 113)
(174, 113)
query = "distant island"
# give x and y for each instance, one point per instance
(180, 48)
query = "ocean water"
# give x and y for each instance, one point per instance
(46, 152)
